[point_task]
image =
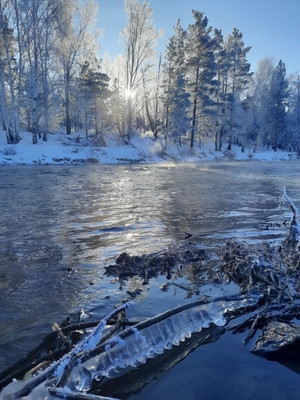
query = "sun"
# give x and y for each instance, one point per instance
(128, 93)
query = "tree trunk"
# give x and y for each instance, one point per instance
(194, 120)
(67, 104)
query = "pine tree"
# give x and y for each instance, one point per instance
(278, 99)
(238, 78)
(293, 112)
(201, 74)
(176, 97)
(93, 86)
(222, 93)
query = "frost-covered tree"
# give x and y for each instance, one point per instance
(140, 39)
(75, 42)
(47, 60)
(272, 102)
(222, 94)
(238, 79)
(175, 96)
(7, 76)
(151, 99)
(293, 112)
(117, 107)
(93, 93)
(32, 24)
(277, 106)
(35, 35)
(201, 73)
(261, 94)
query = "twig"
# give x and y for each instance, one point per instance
(84, 354)
(252, 328)
(57, 368)
(294, 227)
(63, 338)
(291, 203)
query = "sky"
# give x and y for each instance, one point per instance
(270, 27)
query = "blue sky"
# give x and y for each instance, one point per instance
(271, 27)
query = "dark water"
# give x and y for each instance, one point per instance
(59, 227)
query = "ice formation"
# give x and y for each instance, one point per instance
(133, 346)
(128, 349)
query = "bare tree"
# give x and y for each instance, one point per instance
(75, 43)
(140, 39)
(152, 96)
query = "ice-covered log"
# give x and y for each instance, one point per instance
(133, 346)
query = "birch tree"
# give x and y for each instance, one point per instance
(7, 89)
(47, 57)
(151, 99)
(32, 30)
(33, 21)
(140, 39)
(75, 43)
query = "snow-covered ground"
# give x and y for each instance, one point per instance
(62, 149)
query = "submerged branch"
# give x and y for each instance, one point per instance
(294, 234)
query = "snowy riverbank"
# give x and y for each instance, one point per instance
(61, 149)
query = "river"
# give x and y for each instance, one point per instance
(60, 225)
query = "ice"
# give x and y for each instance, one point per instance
(83, 382)
(133, 346)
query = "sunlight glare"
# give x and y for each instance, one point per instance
(128, 93)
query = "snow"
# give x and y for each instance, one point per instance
(61, 149)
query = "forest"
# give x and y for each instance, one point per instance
(200, 90)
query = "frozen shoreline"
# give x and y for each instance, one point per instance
(63, 150)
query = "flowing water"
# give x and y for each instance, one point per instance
(59, 227)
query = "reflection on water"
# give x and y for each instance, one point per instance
(60, 225)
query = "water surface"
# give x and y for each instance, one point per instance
(59, 227)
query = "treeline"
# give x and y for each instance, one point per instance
(200, 90)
